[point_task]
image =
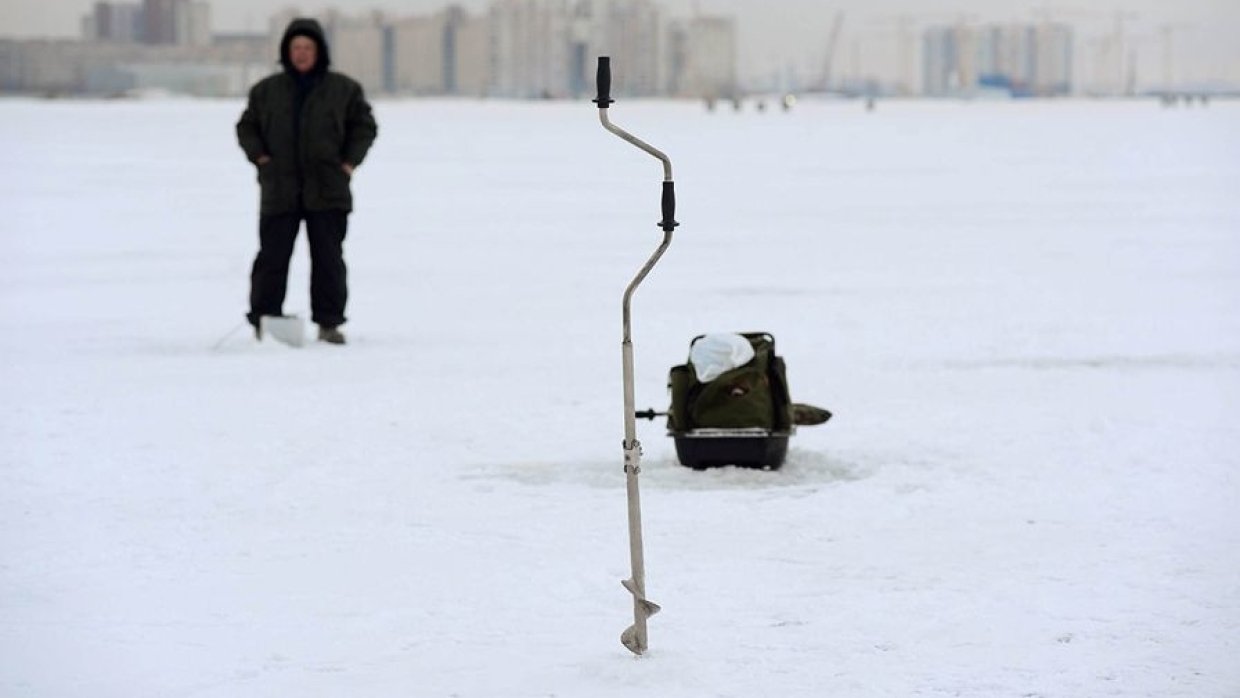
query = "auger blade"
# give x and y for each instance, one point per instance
(649, 608)
(643, 608)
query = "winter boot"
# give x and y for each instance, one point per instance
(330, 334)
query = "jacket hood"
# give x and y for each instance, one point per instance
(305, 26)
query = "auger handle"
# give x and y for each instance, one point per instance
(603, 80)
(668, 224)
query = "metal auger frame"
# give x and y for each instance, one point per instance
(634, 637)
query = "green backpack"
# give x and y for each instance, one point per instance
(754, 395)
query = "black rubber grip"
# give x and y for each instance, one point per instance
(603, 80)
(668, 224)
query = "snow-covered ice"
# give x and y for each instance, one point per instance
(1025, 316)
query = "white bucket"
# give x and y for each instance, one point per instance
(289, 329)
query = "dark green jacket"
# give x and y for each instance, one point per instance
(336, 127)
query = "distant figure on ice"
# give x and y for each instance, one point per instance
(305, 129)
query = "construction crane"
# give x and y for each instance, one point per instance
(832, 41)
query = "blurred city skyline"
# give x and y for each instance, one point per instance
(1192, 40)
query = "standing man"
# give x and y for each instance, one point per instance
(305, 129)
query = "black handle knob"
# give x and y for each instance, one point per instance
(603, 79)
(668, 224)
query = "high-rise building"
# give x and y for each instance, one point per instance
(631, 33)
(357, 48)
(702, 58)
(530, 47)
(418, 54)
(1017, 57)
(444, 53)
(176, 22)
(471, 71)
(941, 53)
(1020, 59)
(11, 78)
(117, 22)
(192, 23)
(1053, 69)
(952, 60)
(517, 48)
(159, 21)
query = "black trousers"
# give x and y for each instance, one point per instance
(329, 290)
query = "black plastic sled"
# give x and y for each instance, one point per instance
(742, 416)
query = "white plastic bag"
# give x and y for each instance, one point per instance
(714, 354)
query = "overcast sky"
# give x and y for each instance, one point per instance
(792, 34)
